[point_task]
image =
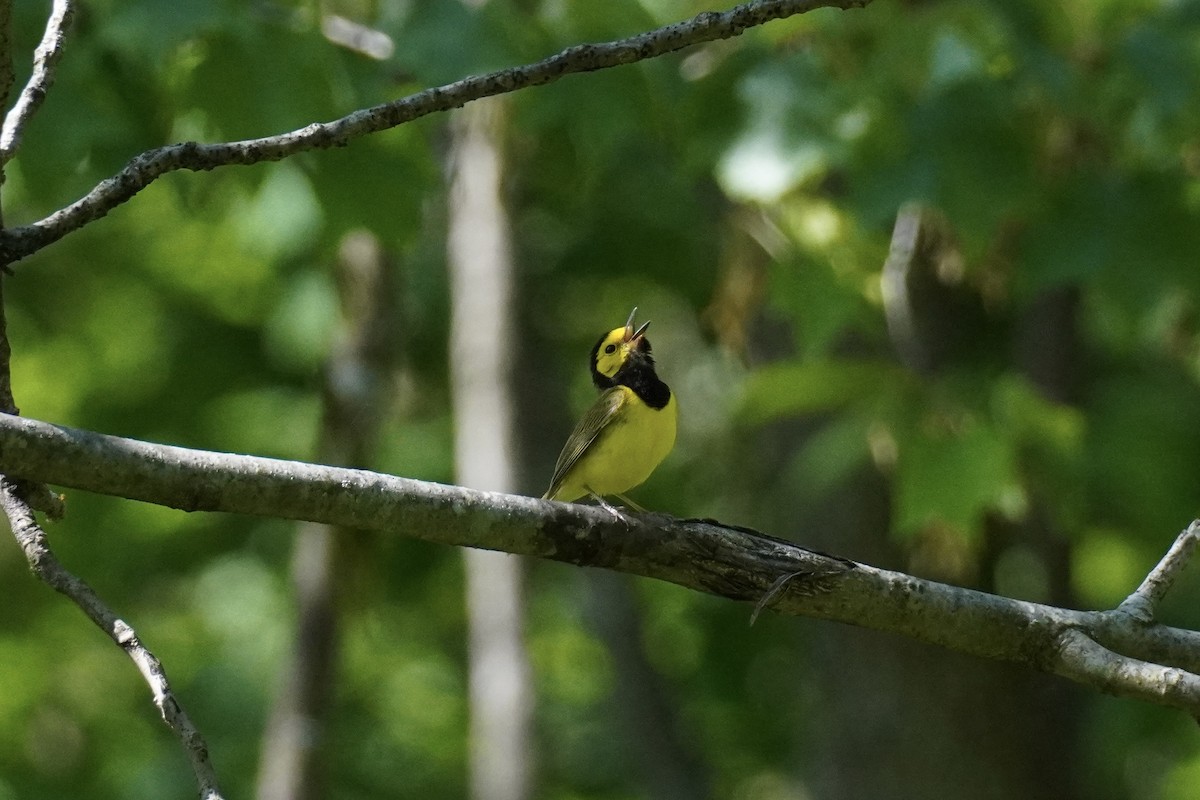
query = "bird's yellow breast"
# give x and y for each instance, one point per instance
(635, 442)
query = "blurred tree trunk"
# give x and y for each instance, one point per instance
(665, 761)
(481, 348)
(907, 720)
(353, 400)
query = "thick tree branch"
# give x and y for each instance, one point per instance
(45, 62)
(46, 566)
(697, 554)
(17, 243)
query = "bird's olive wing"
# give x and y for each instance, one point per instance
(589, 429)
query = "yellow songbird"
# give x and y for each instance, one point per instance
(627, 432)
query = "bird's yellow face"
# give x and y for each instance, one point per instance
(615, 347)
(630, 428)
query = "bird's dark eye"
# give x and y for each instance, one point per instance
(612, 348)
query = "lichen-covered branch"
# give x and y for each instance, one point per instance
(49, 569)
(698, 554)
(45, 62)
(17, 243)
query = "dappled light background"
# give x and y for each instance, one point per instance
(1043, 442)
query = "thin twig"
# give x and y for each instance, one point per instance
(1142, 604)
(778, 586)
(45, 63)
(17, 243)
(50, 570)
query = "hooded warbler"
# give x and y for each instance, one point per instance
(627, 432)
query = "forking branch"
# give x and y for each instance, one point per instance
(1143, 602)
(46, 566)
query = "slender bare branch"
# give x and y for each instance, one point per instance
(1141, 605)
(45, 63)
(698, 554)
(17, 243)
(49, 569)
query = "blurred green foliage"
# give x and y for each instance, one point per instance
(742, 195)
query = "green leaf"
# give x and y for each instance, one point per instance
(790, 389)
(1142, 452)
(1028, 416)
(831, 455)
(953, 476)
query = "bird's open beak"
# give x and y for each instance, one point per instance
(631, 335)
